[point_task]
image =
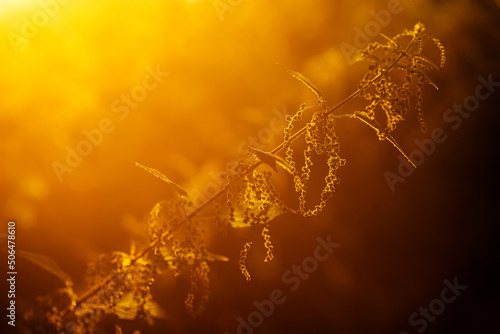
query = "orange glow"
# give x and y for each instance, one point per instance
(188, 88)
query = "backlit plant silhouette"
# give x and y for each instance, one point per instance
(247, 199)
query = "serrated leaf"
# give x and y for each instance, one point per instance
(123, 257)
(162, 177)
(154, 310)
(363, 116)
(273, 211)
(215, 257)
(270, 159)
(266, 157)
(428, 62)
(420, 73)
(390, 39)
(45, 263)
(428, 80)
(168, 256)
(305, 81)
(126, 308)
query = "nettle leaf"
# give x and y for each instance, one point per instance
(270, 159)
(162, 177)
(127, 307)
(121, 257)
(168, 256)
(305, 81)
(215, 257)
(244, 217)
(45, 263)
(427, 61)
(153, 309)
(382, 135)
(428, 80)
(266, 157)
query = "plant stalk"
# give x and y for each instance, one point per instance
(92, 291)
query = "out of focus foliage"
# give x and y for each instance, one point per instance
(187, 87)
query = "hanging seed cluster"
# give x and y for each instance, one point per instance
(178, 240)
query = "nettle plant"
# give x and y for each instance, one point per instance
(179, 231)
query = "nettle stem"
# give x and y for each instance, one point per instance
(96, 288)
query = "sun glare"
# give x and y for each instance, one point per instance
(157, 154)
(11, 4)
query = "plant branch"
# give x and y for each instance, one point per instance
(92, 291)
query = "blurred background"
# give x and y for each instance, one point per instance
(182, 86)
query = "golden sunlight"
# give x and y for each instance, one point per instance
(9, 6)
(155, 157)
